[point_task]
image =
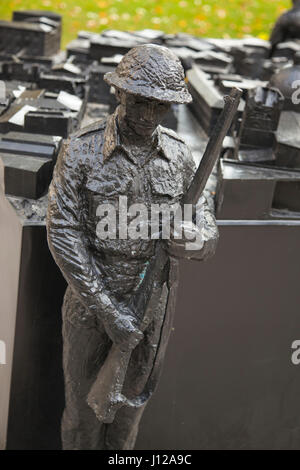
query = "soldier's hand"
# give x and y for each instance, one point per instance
(191, 240)
(122, 330)
(187, 235)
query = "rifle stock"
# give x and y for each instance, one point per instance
(105, 396)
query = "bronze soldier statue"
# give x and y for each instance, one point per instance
(130, 155)
(287, 27)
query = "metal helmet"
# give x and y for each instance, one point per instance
(153, 72)
(284, 80)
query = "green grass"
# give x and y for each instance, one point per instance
(214, 18)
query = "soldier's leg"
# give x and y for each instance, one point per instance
(142, 377)
(122, 433)
(84, 351)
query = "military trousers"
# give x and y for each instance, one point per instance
(85, 348)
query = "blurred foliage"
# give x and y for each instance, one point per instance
(211, 18)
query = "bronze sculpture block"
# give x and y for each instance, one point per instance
(119, 304)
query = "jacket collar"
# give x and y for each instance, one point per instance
(112, 140)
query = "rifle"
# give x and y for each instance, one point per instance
(105, 396)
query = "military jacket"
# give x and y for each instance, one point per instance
(95, 167)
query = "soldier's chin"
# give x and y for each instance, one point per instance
(145, 129)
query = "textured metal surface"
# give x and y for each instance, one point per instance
(152, 72)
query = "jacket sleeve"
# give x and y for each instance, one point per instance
(210, 233)
(66, 237)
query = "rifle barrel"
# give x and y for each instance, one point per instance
(214, 147)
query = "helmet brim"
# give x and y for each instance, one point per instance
(144, 90)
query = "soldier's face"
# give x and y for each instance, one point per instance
(143, 115)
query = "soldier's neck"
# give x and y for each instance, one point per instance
(129, 135)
